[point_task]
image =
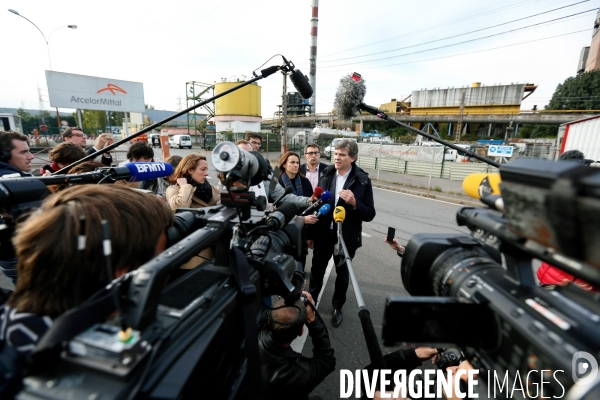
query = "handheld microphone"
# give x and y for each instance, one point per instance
(288, 190)
(323, 210)
(318, 192)
(279, 218)
(339, 214)
(479, 184)
(141, 171)
(324, 199)
(349, 95)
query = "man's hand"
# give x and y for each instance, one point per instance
(101, 141)
(310, 313)
(310, 220)
(395, 245)
(310, 244)
(348, 197)
(181, 181)
(425, 353)
(465, 366)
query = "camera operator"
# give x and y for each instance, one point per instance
(58, 275)
(403, 359)
(15, 157)
(288, 374)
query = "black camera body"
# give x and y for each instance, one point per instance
(450, 358)
(478, 291)
(188, 339)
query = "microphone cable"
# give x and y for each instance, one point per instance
(254, 72)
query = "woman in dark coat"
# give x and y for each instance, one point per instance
(289, 166)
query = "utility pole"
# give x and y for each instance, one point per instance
(460, 118)
(284, 116)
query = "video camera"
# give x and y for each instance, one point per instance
(193, 337)
(479, 291)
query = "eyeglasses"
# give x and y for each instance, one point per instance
(255, 143)
(78, 134)
(313, 153)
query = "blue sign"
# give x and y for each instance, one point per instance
(500, 151)
(491, 141)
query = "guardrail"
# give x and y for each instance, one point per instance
(447, 170)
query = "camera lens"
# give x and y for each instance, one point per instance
(455, 265)
(452, 356)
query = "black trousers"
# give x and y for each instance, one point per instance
(322, 252)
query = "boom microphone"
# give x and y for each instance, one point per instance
(299, 80)
(301, 84)
(324, 199)
(339, 215)
(141, 171)
(349, 95)
(323, 210)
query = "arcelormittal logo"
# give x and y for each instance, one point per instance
(112, 88)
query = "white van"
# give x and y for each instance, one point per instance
(180, 141)
(330, 150)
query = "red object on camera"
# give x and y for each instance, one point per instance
(356, 76)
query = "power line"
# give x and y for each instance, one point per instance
(459, 43)
(470, 52)
(438, 26)
(463, 34)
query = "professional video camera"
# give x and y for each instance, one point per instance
(487, 297)
(18, 196)
(195, 337)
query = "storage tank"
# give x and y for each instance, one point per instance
(239, 111)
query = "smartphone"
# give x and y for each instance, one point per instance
(391, 234)
(109, 135)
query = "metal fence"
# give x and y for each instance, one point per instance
(447, 169)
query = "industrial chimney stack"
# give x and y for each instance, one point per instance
(314, 22)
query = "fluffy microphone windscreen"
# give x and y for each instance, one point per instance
(349, 95)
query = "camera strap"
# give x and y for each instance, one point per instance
(247, 293)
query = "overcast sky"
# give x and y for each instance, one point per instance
(165, 44)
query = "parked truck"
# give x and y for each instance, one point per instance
(582, 135)
(11, 122)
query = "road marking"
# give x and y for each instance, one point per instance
(421, 197)
(365, 234)
(298, 343)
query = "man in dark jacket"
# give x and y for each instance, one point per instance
(288, 374)
(313, 167)
(15, 157)
(350, 188)
(76, 135)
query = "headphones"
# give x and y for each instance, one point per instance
(5, 156)
(294, 327)
(5, 142)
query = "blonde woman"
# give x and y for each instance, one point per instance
(192, 189)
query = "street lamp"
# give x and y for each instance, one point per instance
(47, 48)
(45, 40)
